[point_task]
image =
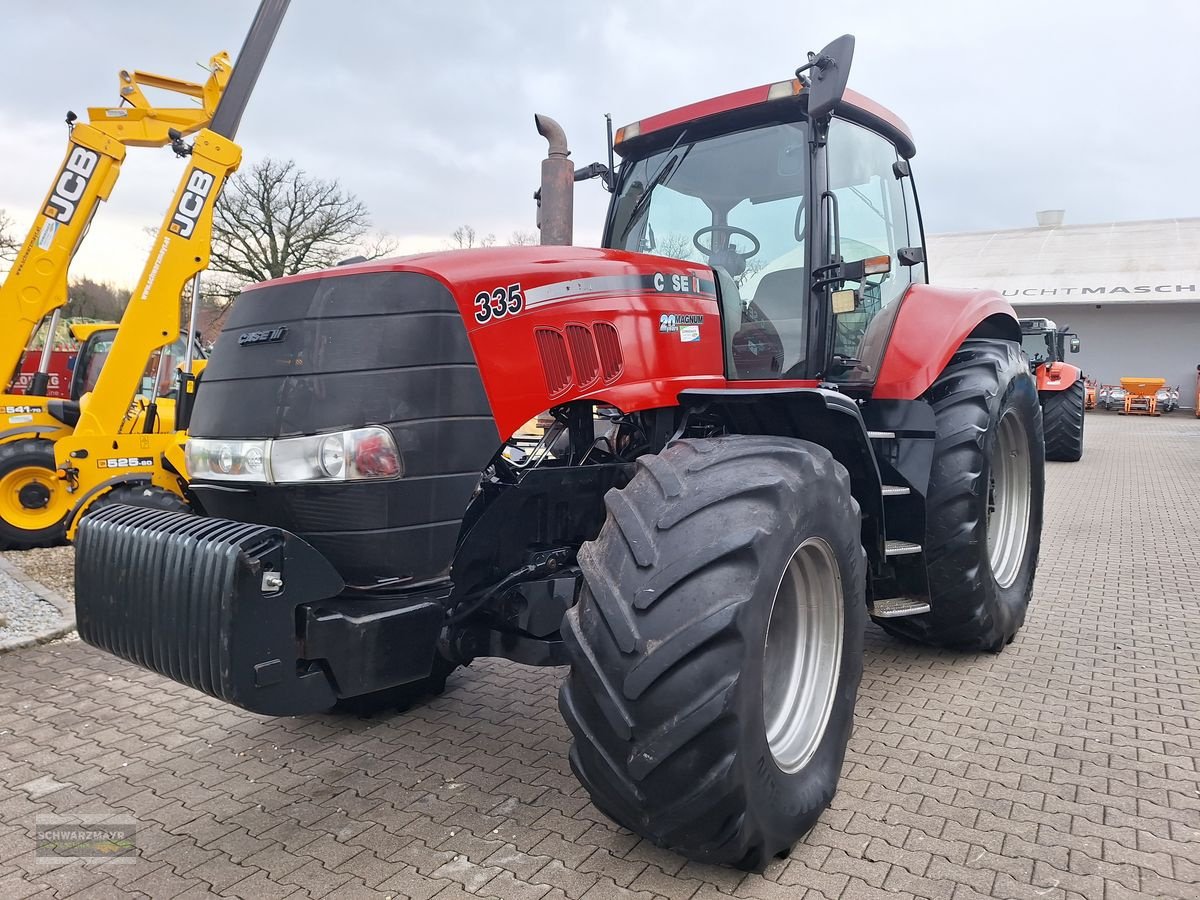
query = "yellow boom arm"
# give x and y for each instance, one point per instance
(37, 284)
(102, 450)
(152, 318)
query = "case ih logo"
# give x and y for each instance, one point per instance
(191, 204)
(72, 182)
(272, 336)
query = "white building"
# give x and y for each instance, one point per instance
(1130, 290)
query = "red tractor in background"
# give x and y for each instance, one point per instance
(1060, 385)
(766, 428)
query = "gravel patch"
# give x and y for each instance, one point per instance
(23, 612)
(36, 594)
(53, 566)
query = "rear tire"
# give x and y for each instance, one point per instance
(986, 407)
(1062, 422)
(32, 498)
(716, 647)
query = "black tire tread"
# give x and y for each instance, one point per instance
(961, 617)
(1062, 422)
(627, 645)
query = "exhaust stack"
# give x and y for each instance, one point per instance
(556, 197)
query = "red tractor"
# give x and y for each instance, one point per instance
(766, 428)
(1060, 386)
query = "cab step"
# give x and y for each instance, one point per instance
(894, 490)
(901, 548)
(895, 607)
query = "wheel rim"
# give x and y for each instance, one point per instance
(1009, 500)
(28, 498)
(802, 655)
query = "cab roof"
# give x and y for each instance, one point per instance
(637, 136)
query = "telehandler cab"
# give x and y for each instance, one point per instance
(1060, 385)
(32, 507)
(759, 440)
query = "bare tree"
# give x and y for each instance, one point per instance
(524, 239)
(675, 245)
(9, 242)
(275, 219)
(87, 299)
(465, 237)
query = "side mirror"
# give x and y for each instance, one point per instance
(830, 72)
(1074, 345)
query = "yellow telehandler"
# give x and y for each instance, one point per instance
(35, 289)
(120, 453)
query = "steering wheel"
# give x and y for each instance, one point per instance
(727, 230)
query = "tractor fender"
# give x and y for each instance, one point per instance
(824, 417)
(930, 326)
(1057, 376)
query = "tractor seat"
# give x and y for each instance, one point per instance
(66, 411)
(781, 298)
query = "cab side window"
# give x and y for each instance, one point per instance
(875, 221)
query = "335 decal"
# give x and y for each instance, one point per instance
(498, 303)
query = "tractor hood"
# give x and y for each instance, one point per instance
(535, 326)
(449, 353)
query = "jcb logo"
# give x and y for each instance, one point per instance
(72, 182)
(191, 204)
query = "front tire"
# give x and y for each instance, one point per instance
(32, 497)
(716, 648)
(1062, 422)
(984, 504)
(143, 495)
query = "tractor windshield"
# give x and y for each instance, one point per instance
(734, 202)
(1039, 346)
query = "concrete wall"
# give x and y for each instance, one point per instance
(1158, 340)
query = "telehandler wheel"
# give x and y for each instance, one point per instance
(144, 495)
(32, 511)
(716, 648)
(984, 506)
(1062, 422)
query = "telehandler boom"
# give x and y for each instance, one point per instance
(35, 289)
(105, 459)
(37, 284)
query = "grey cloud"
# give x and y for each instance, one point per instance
(425, 110)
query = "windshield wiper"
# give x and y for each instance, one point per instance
(664, 171)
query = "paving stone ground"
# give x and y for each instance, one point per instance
(1064, 767)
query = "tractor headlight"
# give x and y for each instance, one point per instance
(355, 455)
(226, 460)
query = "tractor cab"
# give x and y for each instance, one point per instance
(812, 230)
(1044, 342)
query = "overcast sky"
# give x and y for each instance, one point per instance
(425, 110)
